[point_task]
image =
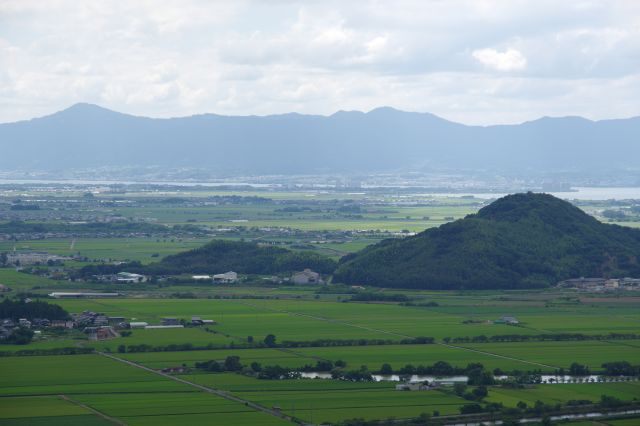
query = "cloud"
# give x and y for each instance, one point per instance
(476, 61)
(509, 60)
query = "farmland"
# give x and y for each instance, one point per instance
(402, 329)
(98, 382)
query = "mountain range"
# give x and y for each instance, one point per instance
(384, 139)
(523, 240)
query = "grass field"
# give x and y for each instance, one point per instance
(309, 320)
(31, 387)
(139, 397)
(562, 354)
(552, 394)
(139, 248)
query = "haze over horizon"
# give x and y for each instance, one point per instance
(471, 62)
(372, 110)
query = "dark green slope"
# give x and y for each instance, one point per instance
(519, 241)
(243, 257)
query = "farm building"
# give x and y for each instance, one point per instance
(62, 324)
(152, 327)
(226, 278)
(507, 320)
(61, 295)
(413, 386)
(32, 258)
(196, 320)
(201, 277)
(306, 277)
(100, 333)
(127, 277)
(138, 324)
(170, 321)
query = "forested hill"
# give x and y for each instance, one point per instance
(243, 257)
(519, 241)
(383, 139)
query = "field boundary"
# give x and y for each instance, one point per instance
(397, 334)
(218, 392)
(93, 410)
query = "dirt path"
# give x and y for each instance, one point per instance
(93, 410)
(218, 392)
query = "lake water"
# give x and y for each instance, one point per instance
(578, 193)
(129, 182)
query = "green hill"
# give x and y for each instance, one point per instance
(519, 241)
(247, 258)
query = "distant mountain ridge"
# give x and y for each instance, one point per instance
(384, 139)
(519, 241)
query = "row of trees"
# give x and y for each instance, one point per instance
(555, 337)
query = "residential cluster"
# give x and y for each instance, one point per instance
(599, 285)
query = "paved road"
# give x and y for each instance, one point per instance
(218, 392)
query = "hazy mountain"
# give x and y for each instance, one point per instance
(384, 139)
(519, 241)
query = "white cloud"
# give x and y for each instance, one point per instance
(476, 61)
(509, 60)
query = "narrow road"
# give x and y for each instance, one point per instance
(397, 335)
(93, 410)
(218, 392)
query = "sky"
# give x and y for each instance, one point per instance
(472, 61)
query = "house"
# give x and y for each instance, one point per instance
(201, 277)
(127, 277)
(507, 320)
(195, 320)
(158, 327)
(100, 333)
(32, 258)
(174, 370)
(100, 320)
(41, 322)
(170, 321)
(61, 295)
(115, 320)
(306, 277)
(226, 278)
(413, 386)
(4, 288)
(612, 284)
(23, 322)
(62, 324)
(4, 333)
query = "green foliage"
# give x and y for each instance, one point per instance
(19, 336)
(379, 297)
(243, 257)
(35, 309)
(520, 241)
(270, 341)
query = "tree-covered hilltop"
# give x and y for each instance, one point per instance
(15, 309)
(519, 241)
(242, 257)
